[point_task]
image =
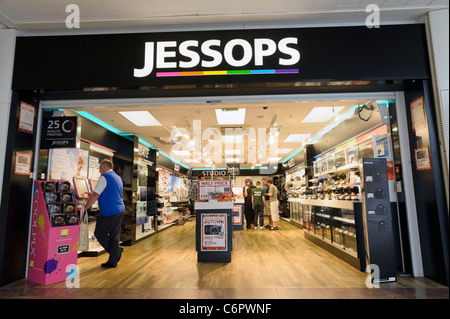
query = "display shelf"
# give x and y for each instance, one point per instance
(342, 204)
(335, 225)
(54, 233)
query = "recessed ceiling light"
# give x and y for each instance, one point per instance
(322, 114)
(230, 116)
(295, 138)
(232, 139)
(140, 118)
(273, 159)
(182, 153)
(283, 150)
(232, 152)
(231, 160)
(188, 160)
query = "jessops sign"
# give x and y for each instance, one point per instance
(182, 57)
(220, 57)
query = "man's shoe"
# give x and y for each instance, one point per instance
(109, 265)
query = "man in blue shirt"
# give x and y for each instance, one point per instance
(108, 192)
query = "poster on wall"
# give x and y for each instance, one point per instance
(94, 167)
(26, 118)
(164, 182)
(23, 163)
(214, 232)
(65, 163)
(215, 190)
(382, 146)
(422, 156)
(418, 117)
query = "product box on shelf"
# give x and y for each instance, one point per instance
(53, 247)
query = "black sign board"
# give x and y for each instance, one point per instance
(59, 132)
(233, 56)
(233, 169)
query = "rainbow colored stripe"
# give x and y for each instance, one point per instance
(226, 72)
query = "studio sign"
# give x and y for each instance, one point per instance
(185, 55)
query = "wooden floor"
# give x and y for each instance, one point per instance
(265, 265)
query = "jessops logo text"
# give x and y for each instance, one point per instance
(186, 55)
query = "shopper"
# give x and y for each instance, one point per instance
(109, 193)
(267, 202)
(248, 210)
(273, 195)
(193, 192)
(258, 202)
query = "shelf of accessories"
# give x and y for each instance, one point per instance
(341, 204)
(171, 213)
(343, 158)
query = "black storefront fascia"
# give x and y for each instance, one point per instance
(71, 67)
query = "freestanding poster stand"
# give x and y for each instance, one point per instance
(238, 216)
(214, 231)
(53, 251)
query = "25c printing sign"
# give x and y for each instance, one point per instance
(59, 132)
(212, 53)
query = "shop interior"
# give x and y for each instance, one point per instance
(312, 149)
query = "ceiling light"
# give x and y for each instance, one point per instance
(322, 114)
(273, 159)
(232, 152)
(230, 116)
(231, 160)
(230, 139)
(283, 150)
(295, 138)
(188, 160)
(181, 153)
(140, 118)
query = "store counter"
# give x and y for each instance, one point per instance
(214, 231)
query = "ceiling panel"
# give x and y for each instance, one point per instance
(51, 14)
(287, 116)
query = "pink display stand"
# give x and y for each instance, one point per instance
(54, 233)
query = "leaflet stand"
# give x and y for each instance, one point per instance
(54, 233)
(214, 231)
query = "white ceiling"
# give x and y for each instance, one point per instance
(286, 116)
(101, 14)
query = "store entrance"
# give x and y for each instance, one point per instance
(310, 146)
